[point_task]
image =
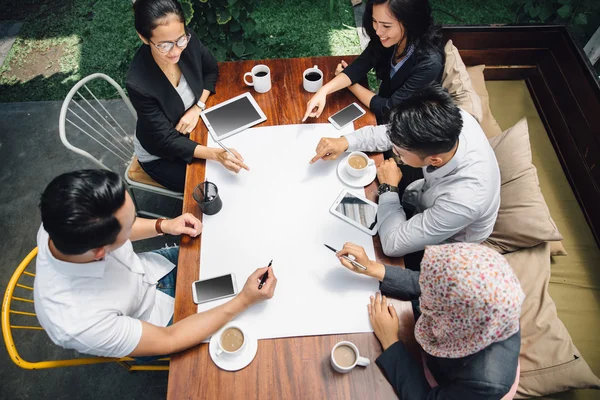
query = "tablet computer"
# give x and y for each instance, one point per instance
(232, 116)
(356, 210)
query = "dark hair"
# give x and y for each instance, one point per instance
(420, 29)
(149, 13)
(427, 123)
(78, 210)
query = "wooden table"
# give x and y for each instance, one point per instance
(288, 368)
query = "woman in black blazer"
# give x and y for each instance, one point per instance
(405, 50)
(169, 80)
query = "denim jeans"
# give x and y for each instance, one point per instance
(166, 284)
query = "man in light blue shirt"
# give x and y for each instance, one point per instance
(458, 198)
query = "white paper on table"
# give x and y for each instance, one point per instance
(280, 210)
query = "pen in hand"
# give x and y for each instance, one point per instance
(264, 276)
(353, 262)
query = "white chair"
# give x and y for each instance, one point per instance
(113, 140)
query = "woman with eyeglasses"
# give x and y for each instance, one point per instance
(169, 80)
(405, 51)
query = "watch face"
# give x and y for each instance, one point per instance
(384, 187)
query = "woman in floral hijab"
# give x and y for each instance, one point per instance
(469, 303)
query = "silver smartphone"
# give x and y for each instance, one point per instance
(346, 115)
(214, 288)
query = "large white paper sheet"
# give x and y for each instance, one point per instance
(280, 210)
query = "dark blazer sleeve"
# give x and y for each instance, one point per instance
(408, 379)
(424, 75)
(210, 69)
(159, 135)
(400, 283)
(361, 66)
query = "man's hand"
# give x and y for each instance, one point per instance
(330, 148)
(340, 67)
(250, 293)
(234, 164)
(388, 172)
(184, 224)
(384, 321)
(374, 269)
(189, 120)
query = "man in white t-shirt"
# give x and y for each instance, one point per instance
(94, 294)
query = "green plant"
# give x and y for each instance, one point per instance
(226, 27)
(582, 16)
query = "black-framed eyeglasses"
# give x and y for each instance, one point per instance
(165, 47)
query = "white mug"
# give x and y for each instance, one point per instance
(312, 86)
(221, 350)
(358, 173)
(262, 84)
(362, 361)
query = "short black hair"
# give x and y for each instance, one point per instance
(427, 123)
(78, 210)
(149, 13)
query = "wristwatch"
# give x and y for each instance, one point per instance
(384, 188)
(201, 104)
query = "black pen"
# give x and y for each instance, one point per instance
(264, 277)
(351, 261)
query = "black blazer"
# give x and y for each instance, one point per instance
(159, 107)
(423, 68)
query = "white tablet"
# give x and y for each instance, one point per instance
(356, 210)
(232, 116)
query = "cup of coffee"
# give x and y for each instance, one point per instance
(344, 357)
(231, 341)
(313, 79)
(357, 164)
(207, 196)
(261, 78)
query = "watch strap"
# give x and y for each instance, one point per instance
(158, 227)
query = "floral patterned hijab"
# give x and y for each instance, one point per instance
(470, 298)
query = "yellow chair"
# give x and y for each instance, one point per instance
(127, 362)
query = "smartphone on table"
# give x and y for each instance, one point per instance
(346, 115)
(215, 288)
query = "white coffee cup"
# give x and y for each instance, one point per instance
(221, 349)
(358, 172)
(262, 84)
(358, 360)
(315, 85)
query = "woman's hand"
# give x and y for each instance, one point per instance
(384, 321)
(374, 269)
(340, 67)
(188, 122)
(315, 106)
(234, 164)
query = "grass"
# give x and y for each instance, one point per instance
(90, 36)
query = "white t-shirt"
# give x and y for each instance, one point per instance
(96, 308)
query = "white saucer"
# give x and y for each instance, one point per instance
(352, 181)
(236, 362)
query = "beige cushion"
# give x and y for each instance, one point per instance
(550, 362)
(523, 219)
(136, 173)
(488, 122)
(557, 249)
(456, 80)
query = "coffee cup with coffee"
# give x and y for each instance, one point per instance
(261, 78)
(345, 356)
(358, 163)
(312, 79)
(231, 340)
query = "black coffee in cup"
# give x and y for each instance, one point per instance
(260, 74)
(313, 76)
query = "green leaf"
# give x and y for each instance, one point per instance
(545, 13)
(232, 2)
(249, 48)
(238, 49)
(234, 26)
(188, 10)
(534, 11)
(235, 12)
(249, 27)
(581, 19)
(564, 2)
(528, 5)
(223, 17)
(564, 11)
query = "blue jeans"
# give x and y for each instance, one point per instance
(166, 284)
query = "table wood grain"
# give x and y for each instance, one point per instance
(288, 368)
